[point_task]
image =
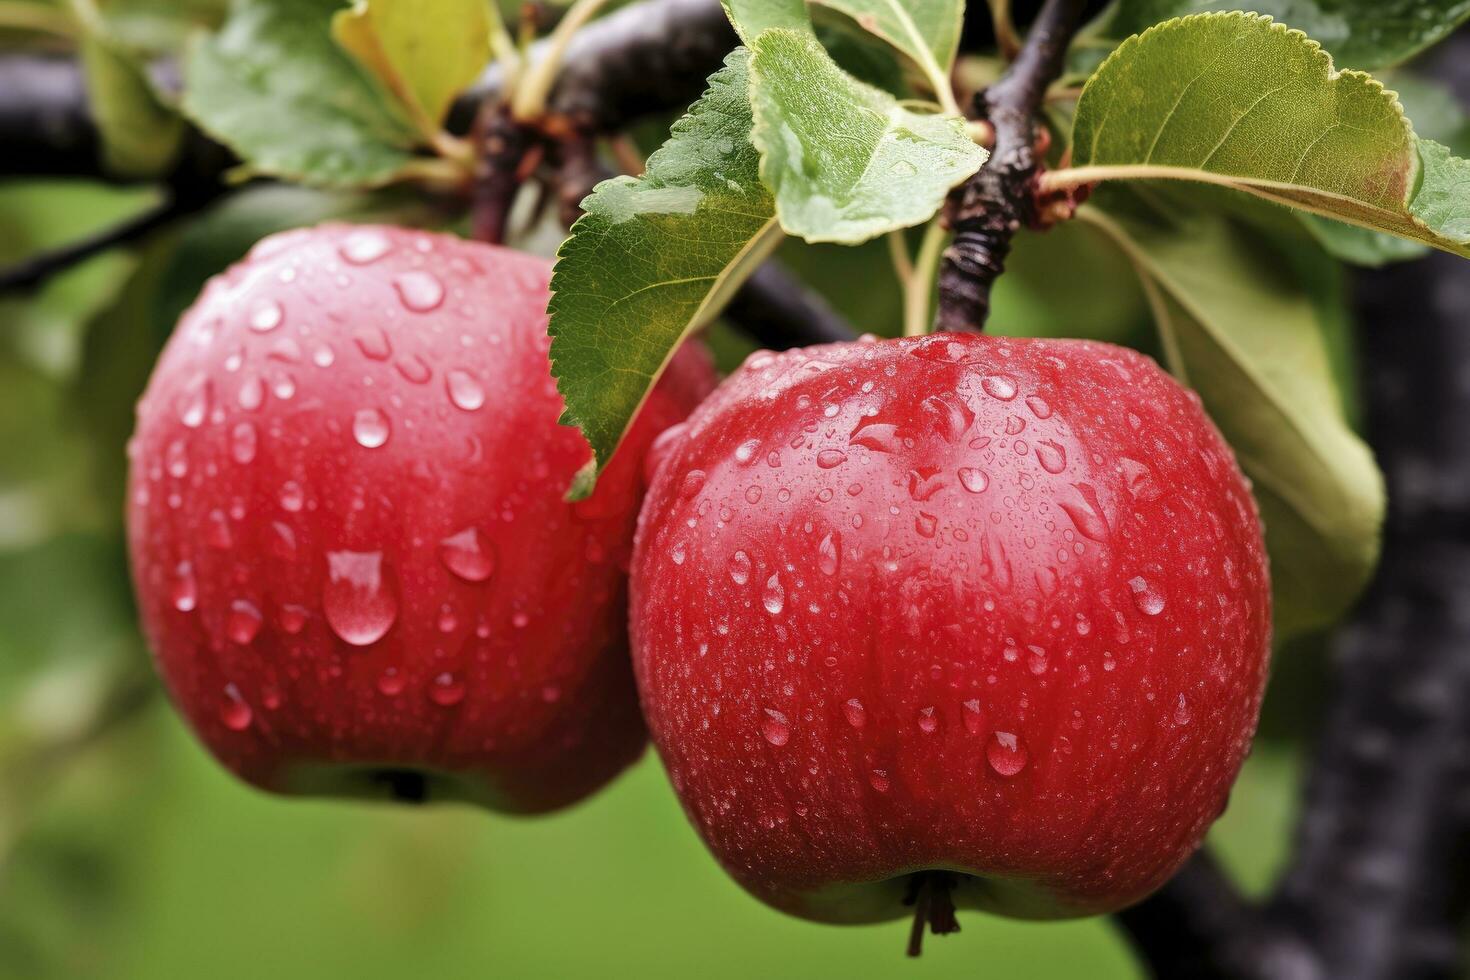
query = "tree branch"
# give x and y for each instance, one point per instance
(647, 57)
(987, 209)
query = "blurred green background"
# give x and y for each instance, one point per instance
(125, 852)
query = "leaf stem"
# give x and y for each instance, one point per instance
(918, 288)
(1006, 38)
(529, 101)
(898, 250)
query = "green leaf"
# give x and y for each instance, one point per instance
(1236, 100)
(140, 135)
(1361, 33)
(845, 161)
(1238, 325)
(926, 31)
(1360, 246)
(424, 53)
(653, 258)
(273, 87)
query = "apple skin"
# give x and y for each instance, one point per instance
(989, 606)
(348, 539)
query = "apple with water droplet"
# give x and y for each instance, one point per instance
(959, 619)
(348, 539)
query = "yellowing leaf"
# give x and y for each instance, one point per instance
(425, 53)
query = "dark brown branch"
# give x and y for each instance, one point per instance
(645, 58)
(1382, 862)
(32, 272)
(987, 210)
(1199, 926)
(778, 311)
(504, 152)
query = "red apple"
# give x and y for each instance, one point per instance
(348, 538)
(954, 612)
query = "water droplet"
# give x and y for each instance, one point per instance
(283, 541)
(176, 459)
(740, 568)
(746, 450)
(359, 605)
(285, 350)
(829, 553)
(829, 458)
(292, 496)
(1051, 455)
(217, 534)
(194, 406)
(974, 717)
(926, 524)
(903, 168)
(947, 415)
(391, 683)
(365, 246)
(973, 480)
(267, 316)
(446, 690)
(1181, 712)
(1086, 514)
(999, 386)
(243, 622)
(415, 369)
(928, 721)
(677, 553)
(185, 590)
(855, 713)
(1139, 480)
(370, 428)
(243, 443)
(1036, 660)
(373, 343)
(693, 483)
(1145, 597)
(469, 555)
(464, 391)
(292, 618)
(251, 394)
(1015, 425)
(774, 598)
(1005, 753)
(448, 621)
(234, 713)
(1038, 406)
(324, 356)
(775, 727)
(878, 779)
(419, 290)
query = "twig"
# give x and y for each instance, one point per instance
(988, 208)
(504, 151)
(35, 270)
(644, 58)
(778, 311)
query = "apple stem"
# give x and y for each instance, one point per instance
(930, 894)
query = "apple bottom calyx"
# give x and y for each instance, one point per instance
(929, 893)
